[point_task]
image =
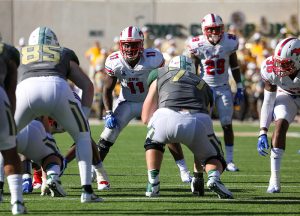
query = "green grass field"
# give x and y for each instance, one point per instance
(127, 170)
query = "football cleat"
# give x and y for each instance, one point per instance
(90, 197)
(27, 185)
(103, 185)
(274, 186)
(18, 208)
(37, 179)
(185, 176)
(215, 185)
(45, 190)
(55, 187)
(152, 189)
(197, 186)
(231, 167)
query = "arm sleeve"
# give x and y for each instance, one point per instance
(267, 109)
(152, 76)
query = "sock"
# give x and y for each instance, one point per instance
(52, 169)
(15, 187)
(84, 158)
(198, 175)
(181, 165)
(276, 155)
(213, 174)
(153, 176)
(229, 153)
(26, 176)
(100, 172)
(1, 168)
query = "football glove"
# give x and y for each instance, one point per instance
(239, 97)
(262, 145)
(110, 120)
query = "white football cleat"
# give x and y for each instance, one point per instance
(274, 185)
(18, 208)
(215, 185)
(231, 167)
(152, 190)
(185, 176)
(45, 189)
(89, 197)
(103, 185)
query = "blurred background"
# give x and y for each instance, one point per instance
(92, 27)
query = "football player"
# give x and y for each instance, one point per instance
(131, 66)
(40, 147)
(281, 77)
(9, 62)
(43, 90)
(215, 52)
(179, 100)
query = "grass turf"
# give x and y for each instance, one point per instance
(126, 167)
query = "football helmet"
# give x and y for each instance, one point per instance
(213, 27)
(286, 59)
(131, 43)
(43, 35)
(182, 62)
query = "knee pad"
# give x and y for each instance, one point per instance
(149, 144)
(104, 145)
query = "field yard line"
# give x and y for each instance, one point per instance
(164, 199)
(255, 134)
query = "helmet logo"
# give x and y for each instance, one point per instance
(295, 51)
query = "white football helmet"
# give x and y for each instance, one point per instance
(182, 62)
(131, 43)
(287, 57)
(43, 35)
(213, 27)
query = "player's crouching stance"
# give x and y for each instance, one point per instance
(40, 147)
(281, 76)
(179, 101)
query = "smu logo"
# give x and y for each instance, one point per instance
(296, 51)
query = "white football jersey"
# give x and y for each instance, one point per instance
(214, 59)
(133, 81)
(284, 84)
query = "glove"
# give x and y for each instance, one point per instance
(262, 144)
(239, 97)
(110, 120)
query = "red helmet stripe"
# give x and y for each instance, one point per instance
(283, 44)
(130, 31)
(213, 18)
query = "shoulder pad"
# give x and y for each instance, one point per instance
(71, 54)
(112, 62)
(11, 52)
(154, 57)
(231, 41)
(266, 71)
